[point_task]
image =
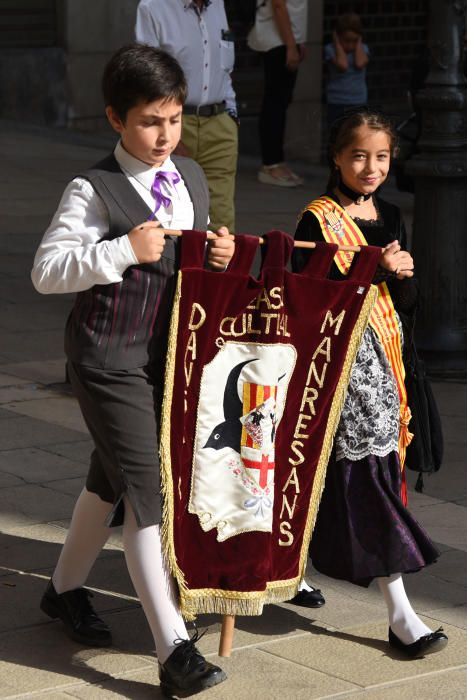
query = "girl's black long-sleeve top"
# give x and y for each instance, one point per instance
(389, 226)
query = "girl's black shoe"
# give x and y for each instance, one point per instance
(308, 599)
(428, 644)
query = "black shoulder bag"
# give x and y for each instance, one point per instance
(425, 452)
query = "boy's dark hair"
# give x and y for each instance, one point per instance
(141, 73)
(349, 22)
(342, 133)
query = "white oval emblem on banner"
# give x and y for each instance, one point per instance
(242, 397)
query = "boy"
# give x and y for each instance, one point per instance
(105, 244)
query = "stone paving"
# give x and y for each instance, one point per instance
(339, 651)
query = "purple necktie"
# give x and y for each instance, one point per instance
(170, 178)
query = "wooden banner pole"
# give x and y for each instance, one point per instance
(297, 244)
(227, 633)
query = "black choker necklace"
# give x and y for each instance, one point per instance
(356, 197)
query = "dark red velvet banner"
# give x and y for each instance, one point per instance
(256, 376)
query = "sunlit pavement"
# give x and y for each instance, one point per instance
(339, 650)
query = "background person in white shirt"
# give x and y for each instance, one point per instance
(279, 33)
(105, 244)
(196, 33)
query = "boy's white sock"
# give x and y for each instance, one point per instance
(403, 620)
(153, 583)
(86, 537)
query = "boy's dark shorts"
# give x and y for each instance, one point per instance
(121, 411)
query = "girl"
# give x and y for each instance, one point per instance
(363, 530)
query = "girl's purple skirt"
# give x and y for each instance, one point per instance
(363, 530)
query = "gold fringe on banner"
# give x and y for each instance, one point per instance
(215, 600)
(167, 486)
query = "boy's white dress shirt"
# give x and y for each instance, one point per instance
(72, 257)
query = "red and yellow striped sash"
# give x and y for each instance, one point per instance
(338, 227)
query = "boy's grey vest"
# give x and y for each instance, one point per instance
(124, 325)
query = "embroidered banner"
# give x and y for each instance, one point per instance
(256, 376)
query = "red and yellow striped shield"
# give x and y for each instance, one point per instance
(258, 432)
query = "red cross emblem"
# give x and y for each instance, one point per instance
(264, 467)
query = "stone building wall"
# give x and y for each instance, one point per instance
(33, 80)
(94, 29)
(52, 53)
(396, 32)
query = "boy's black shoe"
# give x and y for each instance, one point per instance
(186, 671)
(77, 614)
(308, 599)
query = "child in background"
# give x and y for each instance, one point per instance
(346, 59)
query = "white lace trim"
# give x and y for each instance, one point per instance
(369, 423)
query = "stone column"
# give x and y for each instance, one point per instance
(440, 215)
(92, 32)
(303, 136)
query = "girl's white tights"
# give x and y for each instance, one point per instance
(304, 586)
(403, 620)
(148, 569)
